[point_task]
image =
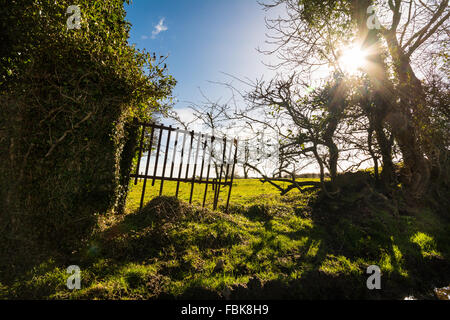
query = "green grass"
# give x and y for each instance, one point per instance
(296, 246)
(244, 191)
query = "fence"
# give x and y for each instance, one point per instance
(205, 150)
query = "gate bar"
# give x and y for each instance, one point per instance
(146, 168)
(140, 153)
(181, 163)
(207, 173)
(189, 153)
(165, 161)
(235, 142)
(221, 171)
(157, 155)
(195, 166)
(189, 180)
(228, 161)
(174, 152)
(203, 156)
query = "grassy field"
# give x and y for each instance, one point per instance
(295, 246)
(243, 192)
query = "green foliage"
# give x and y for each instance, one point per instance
(426, 243)
(316, 11)
(68, 98)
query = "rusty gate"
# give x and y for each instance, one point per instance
(197, 151)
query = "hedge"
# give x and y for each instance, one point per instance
(67, 138)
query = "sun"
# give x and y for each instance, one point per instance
(352, 59)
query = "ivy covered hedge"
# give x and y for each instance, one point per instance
(67, 138)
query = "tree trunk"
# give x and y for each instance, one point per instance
(372, 153)
(408, 120)
(401, 116)
(387, 172)
(245, 172)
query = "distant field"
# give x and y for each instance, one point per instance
(244, 191)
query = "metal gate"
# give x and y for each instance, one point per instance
(189, 160)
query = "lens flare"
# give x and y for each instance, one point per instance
(352, 59)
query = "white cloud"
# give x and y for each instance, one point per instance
(144, 37)
(160, 27)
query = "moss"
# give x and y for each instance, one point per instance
(426, 243)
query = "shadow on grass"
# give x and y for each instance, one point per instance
(348, 233)
(317, 251)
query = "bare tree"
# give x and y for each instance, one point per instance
(309, 35)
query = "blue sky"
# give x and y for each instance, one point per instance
(203, 38)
